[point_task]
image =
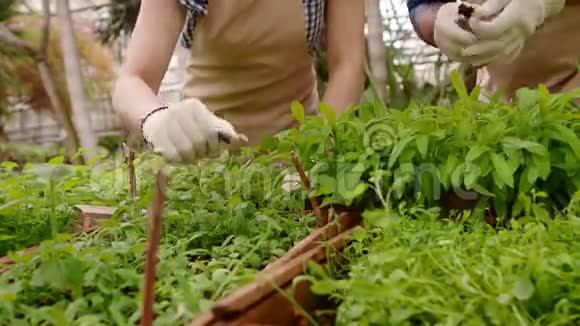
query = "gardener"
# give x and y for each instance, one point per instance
(249, 60)
(516, 43)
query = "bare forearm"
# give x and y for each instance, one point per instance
(345, 40)
(158, 27)
(133, 98)
(423, 19)
(345, 88)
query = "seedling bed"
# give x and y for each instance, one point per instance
(88, 217)
(264, 301)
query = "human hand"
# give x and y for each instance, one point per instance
(448, 35)
(187, 131)
(453, 35)
(504, 26)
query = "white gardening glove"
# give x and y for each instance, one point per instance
(507, 25)
(503, 49)
(452, 39)
(187, 131)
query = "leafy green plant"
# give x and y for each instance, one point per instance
(406, 267)
(500, 155)
(224, 221)
(33, 205)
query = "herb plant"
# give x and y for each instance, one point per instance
(407, 267)
(224, 222)
(497, 155)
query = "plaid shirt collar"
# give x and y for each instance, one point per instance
(196, 6)
(313, 10)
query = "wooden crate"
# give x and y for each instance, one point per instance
(262, 303)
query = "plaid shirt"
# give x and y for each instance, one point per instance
(313, 12)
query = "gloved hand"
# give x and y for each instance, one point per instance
(505, 26)
(449, 37)
(452, 38)
(187, 131)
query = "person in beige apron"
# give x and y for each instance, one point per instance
(250, 59)
(515, 43)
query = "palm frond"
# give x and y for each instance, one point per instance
(7, 9)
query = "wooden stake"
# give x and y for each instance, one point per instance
(129, 158)
(155, 223)
(322, 219)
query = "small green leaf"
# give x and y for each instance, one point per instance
(269, 143)
(540, 213)
(567, 136)
(514, 161)
(526, 179)
(523, 204)
(482, 190)
(472, 173)
(502, 169)
(357, 191)
(527, 98)
(447, 168)
(456, 176)
(475, 152)
(298, 111)
(423, 145)
(511, 144)
(315, 269)
(56, 160)
(500, 204)
(328, 112)
(5, 237)
(8, 165)
(397, 150)
(542, 165)
(499, 183)
(325, 185)
(9, 205)
(324, 287)
(334, 199)
(459, 85)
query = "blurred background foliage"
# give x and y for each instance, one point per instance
(113, 22)
(21, 77)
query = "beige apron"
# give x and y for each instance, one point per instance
(249, 61)
(551, 57)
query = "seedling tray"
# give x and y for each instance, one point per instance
(88, 216)
(265, 302)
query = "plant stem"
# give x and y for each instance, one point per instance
(322, 220)
(129, 160)
(53, 217)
